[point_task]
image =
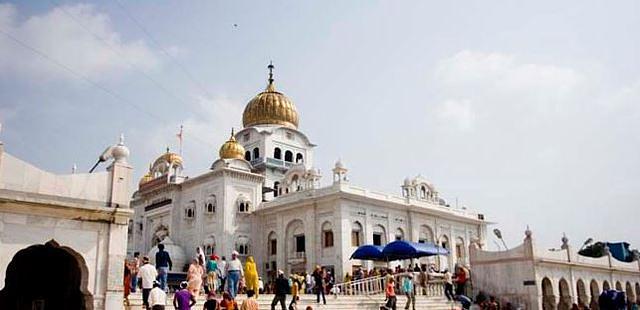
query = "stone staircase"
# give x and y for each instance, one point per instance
(334, 302)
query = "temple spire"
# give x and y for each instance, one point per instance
(270, 67)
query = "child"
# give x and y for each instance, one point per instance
(294, 294)
(183, 299)
(228, 302)
(212, 302)
(390, 292)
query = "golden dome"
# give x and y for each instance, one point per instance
(170, 158)
(231, 149)
(270, 107)
(145, 178)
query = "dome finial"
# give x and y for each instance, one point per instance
(270, 67)
(231, 149)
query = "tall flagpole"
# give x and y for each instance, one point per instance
(179, 135)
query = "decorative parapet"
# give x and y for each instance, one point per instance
(564, 255)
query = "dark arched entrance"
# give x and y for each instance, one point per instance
(46, 277)
(595, 293)
(565, 295)
(548, 299)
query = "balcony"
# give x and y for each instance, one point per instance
(278, 163)
(257, 161)
(297, 257)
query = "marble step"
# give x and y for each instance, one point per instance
(333, 302)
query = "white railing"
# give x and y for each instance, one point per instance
(299, 255)
(376, 286)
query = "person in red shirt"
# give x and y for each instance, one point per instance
(390, 292)
(462, 276)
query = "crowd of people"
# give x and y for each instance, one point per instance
(216, 276)
(220, 280)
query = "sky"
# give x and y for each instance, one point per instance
(526, 112)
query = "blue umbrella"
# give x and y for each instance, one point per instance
(368, 252)
(399, 250)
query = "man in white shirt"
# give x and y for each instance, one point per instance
(157, 297)
(309, 286)
(148, 274)
(234, 274)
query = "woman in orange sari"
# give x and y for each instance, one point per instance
(194, 277)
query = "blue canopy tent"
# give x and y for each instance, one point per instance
(398, 250)
(368, 252)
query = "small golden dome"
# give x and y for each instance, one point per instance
(231, 149)
(170, 158)
(145, 178)
(270, 107)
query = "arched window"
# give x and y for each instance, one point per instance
(444, 242)
(242, 245)
(423, 192)
(295, 185)
(277, 153)
(256, 153)
(209, 245)
(276, 188)
(460, 249)
(399, 234)
(273, 243)
(379, 235)
(190, 211)
(288, 156)
(244, 205)
(356, 234)
(327, 235)
(426, 234)
(247, 156)
(298, 158)
(210, 204)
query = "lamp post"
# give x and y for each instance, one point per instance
(586, 242)
(498, 234)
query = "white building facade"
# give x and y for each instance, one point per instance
(536, 278)
(63, 237)
(263, 197)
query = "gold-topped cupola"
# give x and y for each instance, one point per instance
(231, 149)
(270, 107)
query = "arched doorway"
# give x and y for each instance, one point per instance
(606, 286)
(595, 293)
(618, 286)
(565, 295)
(582, 292)
(548, 299)
(46, 277)
(629, 290)
(295, 247)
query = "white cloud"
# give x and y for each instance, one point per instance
(541, 133)
(472, 84)
(458, 113)
(60, 37)
(204, 132)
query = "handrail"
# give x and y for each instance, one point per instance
(376, 285)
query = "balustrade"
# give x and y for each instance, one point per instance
(376, 285)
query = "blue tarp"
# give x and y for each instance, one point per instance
(398, 250)
(368, 252)
(401, 249)
(620, 251)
